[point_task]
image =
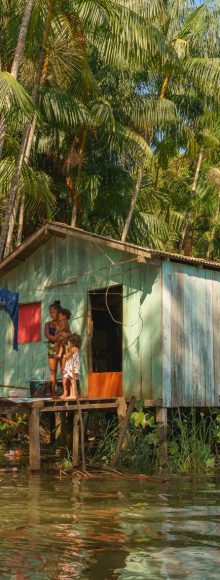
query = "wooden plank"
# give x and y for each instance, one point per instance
(156, 333)
(153, 402)
(34, 439)
(187, 394)
(209, 342)
(166, 332)
(177, 337)
(132, 333)
(198, 337)
(216, 334)
(85, 407)
(146, 281)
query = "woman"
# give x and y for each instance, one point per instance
(50, 331)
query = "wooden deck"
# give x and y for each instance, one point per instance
(69, 415)
(34, 408)
(24, 405)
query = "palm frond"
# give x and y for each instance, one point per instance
(12, 92)
(102, 114)
(205, 74)
(63, 110)
(151, 112)
(35, 184)
(125, 136)
(193, 24)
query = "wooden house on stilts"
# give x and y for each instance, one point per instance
(149, 320)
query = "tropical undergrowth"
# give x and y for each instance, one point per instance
(193, 442)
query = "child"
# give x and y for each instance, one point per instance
(63, 331)
(72, 367)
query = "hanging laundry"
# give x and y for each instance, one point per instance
(9, 303)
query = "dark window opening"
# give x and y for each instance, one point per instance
(106, 342)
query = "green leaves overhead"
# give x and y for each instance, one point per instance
(126, 136)
(102, 114)
(205, 74)
(127, 88)
(11, 92)
(152, 112)
(34, 184)
(63, 110)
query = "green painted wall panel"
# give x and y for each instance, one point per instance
(90, 266)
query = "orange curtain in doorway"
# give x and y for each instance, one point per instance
(105, 385)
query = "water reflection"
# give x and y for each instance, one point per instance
(91, 530)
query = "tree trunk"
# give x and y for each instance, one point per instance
(9, 244)
(28, 131)
(17, 60)
(164, 87)
(210, 249)
(133, 204)
(186, 244)
(76, 196)
(18, 199)
(20, 221)
(140, 172)
(19, 51)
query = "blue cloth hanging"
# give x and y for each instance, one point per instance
(9, 303)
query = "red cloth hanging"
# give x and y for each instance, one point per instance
(29, 322)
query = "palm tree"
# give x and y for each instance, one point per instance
(113, 18)
(17, 60)
(182, 70)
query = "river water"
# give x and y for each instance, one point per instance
(54, 528)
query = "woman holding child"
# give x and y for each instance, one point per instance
(57, 331)
(63, 347)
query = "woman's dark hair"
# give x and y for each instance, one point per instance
(56, 304)
(66, 313)
(76, 339)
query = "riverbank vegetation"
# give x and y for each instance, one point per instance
(193, 443)
(111, 108)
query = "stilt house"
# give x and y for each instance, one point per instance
(149, 320)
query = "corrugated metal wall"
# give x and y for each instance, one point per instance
(191, 331)
(60, 259)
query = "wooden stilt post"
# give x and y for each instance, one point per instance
(75, 439)
(82, 436)
(58, 424)
(52, 429)
(34, 438)
(69, 433)
(161, 419)
(121, 411)
(124, 428)
(63, 429)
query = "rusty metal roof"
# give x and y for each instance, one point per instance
(62, 230)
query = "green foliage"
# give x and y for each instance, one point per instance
(193, 442)
(13, 431)
(124, 85)
(194, 438)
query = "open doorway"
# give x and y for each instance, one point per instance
(106, 340)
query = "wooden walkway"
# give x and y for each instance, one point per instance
(36, 407)
(69, 419)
